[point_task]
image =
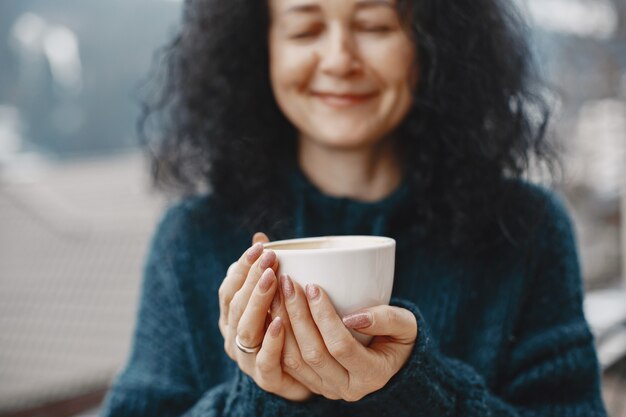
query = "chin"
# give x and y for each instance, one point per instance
(347, 141)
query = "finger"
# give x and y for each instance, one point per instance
(235, 277)
(268, 358)
(224, 301)
(397, 323)
(397, 326)
(260, 237)
(267, 260)
(241, 298)
(231, 268)
(235, 286)
(270, 375)
(251, 327)
(292, 360)
(245, 262)
(340, 343)
(309, 340)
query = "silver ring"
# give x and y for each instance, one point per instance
(246, 349)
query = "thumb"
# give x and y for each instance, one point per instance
(395, 322)
(260, 237)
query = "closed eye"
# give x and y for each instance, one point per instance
(377, 29)
(303, 35)
(308, 31)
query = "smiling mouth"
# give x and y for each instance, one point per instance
(343, 100)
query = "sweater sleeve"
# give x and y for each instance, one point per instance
(551, 367)
(161, 375)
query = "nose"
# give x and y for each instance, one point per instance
(339, 55)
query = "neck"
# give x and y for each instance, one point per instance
(365, 174)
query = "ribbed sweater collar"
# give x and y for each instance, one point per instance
(317, 213)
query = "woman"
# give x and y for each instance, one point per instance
(411, 119)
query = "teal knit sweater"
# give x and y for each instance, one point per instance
(499, 335)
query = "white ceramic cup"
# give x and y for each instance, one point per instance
(355, 271)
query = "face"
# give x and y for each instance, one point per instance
(342, 71)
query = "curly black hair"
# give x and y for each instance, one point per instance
(478, 119)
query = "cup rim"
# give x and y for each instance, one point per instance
(383, 242)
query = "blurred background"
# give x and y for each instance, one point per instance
(76, 210)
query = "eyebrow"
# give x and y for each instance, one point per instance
(362, 4)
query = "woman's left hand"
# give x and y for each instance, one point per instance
(344, 367)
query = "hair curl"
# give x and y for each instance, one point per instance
(477, 121)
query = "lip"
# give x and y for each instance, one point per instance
(342, 100)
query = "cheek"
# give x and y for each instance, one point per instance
(393, 64)
(291, 67)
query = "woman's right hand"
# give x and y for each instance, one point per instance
(245, 297)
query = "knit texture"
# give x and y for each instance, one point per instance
(502, 334)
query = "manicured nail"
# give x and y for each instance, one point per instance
(275, 303)
(266, 280)
(312, 291)
(254, 252)
(274, 327)
(358, 320)
(267, 260)
(288, 290)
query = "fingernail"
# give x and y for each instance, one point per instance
(288, 290)
(358, 320)
(267, 260)
(275, 303)
(266, 280)
(254, 252)
(312, 291)
(274, 327)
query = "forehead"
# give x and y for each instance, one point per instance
(294, 7)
